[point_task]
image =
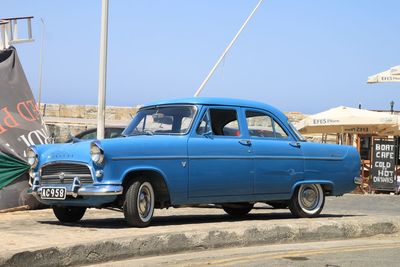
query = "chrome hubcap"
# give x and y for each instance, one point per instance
(145, 203)
(310, 197)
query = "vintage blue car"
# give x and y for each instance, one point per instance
(227, 152)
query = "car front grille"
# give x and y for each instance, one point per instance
(64, 173)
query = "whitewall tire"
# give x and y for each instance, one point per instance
(307, 201)
(139, 203)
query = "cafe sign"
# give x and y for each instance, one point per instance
(383, 165)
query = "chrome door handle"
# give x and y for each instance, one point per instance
(245, 142)
(295, 144)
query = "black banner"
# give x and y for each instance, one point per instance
(383, 165)
(20, 121)
(20, 125)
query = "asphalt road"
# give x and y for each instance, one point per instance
(25, 233)
(371, 252)
(379, 204)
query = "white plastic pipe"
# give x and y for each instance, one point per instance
(40, 63)
(226, 50)
(102, 71)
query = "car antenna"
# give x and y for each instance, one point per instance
(226, 50)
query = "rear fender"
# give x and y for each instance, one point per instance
(328, 186)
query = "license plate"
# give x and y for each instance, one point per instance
(58, 193)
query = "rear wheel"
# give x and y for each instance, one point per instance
(69, 214)
(307, 201)
(139, 203)
(237, 209)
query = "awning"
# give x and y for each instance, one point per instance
(349, 120)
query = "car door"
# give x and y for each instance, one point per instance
(278, 158)
(220, 162)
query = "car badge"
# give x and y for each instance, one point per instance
(61, 176)
(183, 164)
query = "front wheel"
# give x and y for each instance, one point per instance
(307, 201)
(69, 214)
(237, 209)
(139, 204)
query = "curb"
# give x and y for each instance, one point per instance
(157, 244)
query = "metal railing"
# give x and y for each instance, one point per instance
(9, 31)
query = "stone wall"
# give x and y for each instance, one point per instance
(64, 121)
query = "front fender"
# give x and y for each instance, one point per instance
(141, 168)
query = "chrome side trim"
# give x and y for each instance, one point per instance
(151, 158)
(228, 157)
(298, 158)
(279, 157)
(222, 157)
(268, 157)
(324, 158)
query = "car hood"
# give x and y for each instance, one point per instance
(78, 152)
(132, 146)
(145, 145)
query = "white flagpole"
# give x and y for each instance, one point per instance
(226, 50)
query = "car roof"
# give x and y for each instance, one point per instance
(219, 101)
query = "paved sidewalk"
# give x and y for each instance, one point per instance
(36, 238)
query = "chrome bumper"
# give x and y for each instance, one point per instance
(76, 189)
(358, 180)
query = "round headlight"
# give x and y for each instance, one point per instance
(96, 153)
(32, 157)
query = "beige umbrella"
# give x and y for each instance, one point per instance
(388, 76)
(349, 120)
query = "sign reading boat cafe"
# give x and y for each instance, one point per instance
(383, 167)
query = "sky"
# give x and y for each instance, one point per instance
(297, 55)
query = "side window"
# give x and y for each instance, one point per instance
(279, 132)
(262, 125)
(204, 125)
(224, 122)
(259, 124)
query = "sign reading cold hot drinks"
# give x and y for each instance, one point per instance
(383, 164)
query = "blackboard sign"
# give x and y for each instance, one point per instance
(383, 165)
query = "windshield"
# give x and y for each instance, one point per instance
(162, 120)
(296, 132)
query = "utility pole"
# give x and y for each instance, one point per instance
(102, 71)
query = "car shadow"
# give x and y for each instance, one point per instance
(193, 219)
